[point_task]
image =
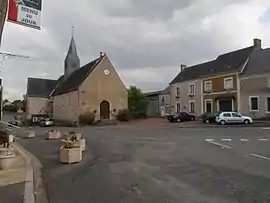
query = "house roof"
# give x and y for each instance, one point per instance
(225, 63)
(258, 63)
(76, 78)
(39, 87)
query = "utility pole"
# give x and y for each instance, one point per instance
(3, 13)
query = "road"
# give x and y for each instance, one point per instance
(160, 165)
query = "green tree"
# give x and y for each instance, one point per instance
(137, 102)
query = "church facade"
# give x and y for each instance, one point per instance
(95, 87)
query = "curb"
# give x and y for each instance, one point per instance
(225, 126)
(34, 191)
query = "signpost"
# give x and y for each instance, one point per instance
(25, 12)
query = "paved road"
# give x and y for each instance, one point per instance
(224, 165)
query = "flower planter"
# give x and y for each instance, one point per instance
(72, 155)
(7, 159)
(53, 135)
(30, 134)
(82, 143)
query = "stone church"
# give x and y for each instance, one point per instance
(95, 87)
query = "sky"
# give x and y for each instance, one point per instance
(146, 41)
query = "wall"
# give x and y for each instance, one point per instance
(36, 105)
(185, 98)
(65, 106)
(257, 85)
(99, 86)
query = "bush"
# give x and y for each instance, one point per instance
(87, 118)
(124, 115)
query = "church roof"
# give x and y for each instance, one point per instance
(76, 78)
(39, 87)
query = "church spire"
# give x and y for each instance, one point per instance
(72, 61)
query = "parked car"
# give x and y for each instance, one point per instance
(46, 122)
(13, 123)
(180, 116)
(209, 117)
(232, 118)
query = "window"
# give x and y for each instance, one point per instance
(253, 103)
(178, 91)
(208, 86)
(228, 83)
(268, 104)
(236, 115)
(178, 107)
(191, 106)
(226, 115)
(167, 110)
(192, 89)
(162, 101)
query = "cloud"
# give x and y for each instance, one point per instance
(146, 40)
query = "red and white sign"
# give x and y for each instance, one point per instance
(25, 12)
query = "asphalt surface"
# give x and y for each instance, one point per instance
(12, 193)
(160, 165)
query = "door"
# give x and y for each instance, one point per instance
(225, 105)
(104, 110)
(208, 106)
(237, 118)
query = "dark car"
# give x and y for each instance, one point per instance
(210, 117)
(180, 117)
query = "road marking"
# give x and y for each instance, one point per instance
(259, 156)
(228, 140)
(244, 140)
(268, 128)
(263, 139)
(209, 140)
(218, 144)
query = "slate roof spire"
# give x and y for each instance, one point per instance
(72, 61)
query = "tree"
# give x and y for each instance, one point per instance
(137, 102)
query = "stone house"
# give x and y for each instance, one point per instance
(255, 85)
(95, 87)
(212, 86)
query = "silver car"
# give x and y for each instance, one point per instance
(46, 122)
(232, 118)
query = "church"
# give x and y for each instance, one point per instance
(95, 87)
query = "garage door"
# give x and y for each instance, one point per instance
(225, 105)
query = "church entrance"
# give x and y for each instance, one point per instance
(104, 110)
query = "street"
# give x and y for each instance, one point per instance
(158, 164)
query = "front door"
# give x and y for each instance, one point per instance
(104, 110)
(225, 105)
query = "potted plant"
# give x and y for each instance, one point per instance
(72, 135)
(53, 134)
(70, 151)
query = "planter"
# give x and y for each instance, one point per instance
(53, 135)
(69, 135)
(82, 143)
(10, 138)
(68, 156)
(7, 159)
(30, 134)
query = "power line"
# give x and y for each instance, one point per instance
(10, 56)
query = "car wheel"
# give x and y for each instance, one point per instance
(178, 120)
(207, 121)
(246, 121)
(192, 118)
(222, 122)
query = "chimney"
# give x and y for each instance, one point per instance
(257, 44)
(183, 67)
(100, 54)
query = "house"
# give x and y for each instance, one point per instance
(186, 89)
(255, 85)
(95, 87)
(212, 86)
(158, 103)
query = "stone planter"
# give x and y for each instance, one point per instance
(53, 135)
(72, 155)
(82, 143)
(30, 134)
(7, 159)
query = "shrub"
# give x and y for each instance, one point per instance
(87, 118)
(124, 115)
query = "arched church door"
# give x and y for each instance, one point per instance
(104, 110)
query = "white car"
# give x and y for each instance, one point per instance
(232, 118)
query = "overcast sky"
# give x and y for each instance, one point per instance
(146, 40)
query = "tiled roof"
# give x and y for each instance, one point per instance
(39, 87)
(259, 62)
(225, 63)
(76, 78)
